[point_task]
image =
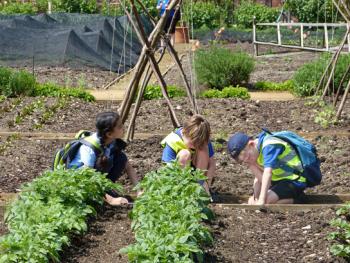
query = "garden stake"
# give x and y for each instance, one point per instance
(339, 87)
(131, 128)
(142, 36)
(341, 106)
(151, 41)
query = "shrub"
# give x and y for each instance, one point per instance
(155, 92)
(17, 8)
(71, 6)
(20, 83)
(247, 10)
(5, 74)
(205, 14)
(111, 10)
(219, 67)
(306, 79)
(151, 6)
(312, 10)
(228, 92)
(268, 85)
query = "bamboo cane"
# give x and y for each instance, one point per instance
(131, 128)
(142, 35)
(175, 57)
(333, 63)
(341, 106)
(140, 66)
(339, 87)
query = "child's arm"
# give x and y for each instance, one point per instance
(159, 4)
(131, 172)
(202, 162)
(211, 171)
(257, 172)
(265, 184)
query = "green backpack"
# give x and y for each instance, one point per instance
(65, 155)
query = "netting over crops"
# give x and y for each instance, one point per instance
(70, 39)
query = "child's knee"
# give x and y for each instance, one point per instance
(272, 197)
(184, 156)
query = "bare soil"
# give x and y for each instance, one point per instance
(240, 235)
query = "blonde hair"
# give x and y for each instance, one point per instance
(197, 129)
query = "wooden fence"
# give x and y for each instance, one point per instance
(302, 35)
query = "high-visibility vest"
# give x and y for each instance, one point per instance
(175, 142)
(287, 158)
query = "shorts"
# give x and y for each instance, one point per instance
(168, 23)
(286, 189)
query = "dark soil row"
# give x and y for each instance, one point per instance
(225, 116)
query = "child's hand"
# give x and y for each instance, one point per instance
(251, 200)
(116, 201)
(139, 193)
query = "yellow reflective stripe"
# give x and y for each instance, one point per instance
(92, 140)
(79, 133)
(175, 142)
(291, 177)
(56, 160)
(288, 157)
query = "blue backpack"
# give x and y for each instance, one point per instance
(307, 154)
(65, 155)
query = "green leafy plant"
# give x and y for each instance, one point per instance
(75, 6)
(167, 217)
(155, 92)
(50, 209)
(342, 236)
(111, 10)
(268, 85)
(219, 139)
(203, 14)
(49, 112)
(17, 8)
(312, 10)
(53, 90)
(220, 67)
(13, 105)
(228, 92)
(306, 79)
(315, 101)
(8, 142)
(326, 116)
(28, 110)
(19, 83)
(248, 9)
(5, 74)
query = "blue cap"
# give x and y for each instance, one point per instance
(236, 143)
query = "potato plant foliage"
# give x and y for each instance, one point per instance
(48, 210)
(167, 217)
(341, 246)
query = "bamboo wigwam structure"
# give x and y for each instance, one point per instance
(147, 58)
(343, 7)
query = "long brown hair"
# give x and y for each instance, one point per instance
(197, 128)
(105, 122)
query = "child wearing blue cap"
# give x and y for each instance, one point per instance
(162, 6)
(190, 145)
(267, 157)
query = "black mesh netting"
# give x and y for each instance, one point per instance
(70, 39)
